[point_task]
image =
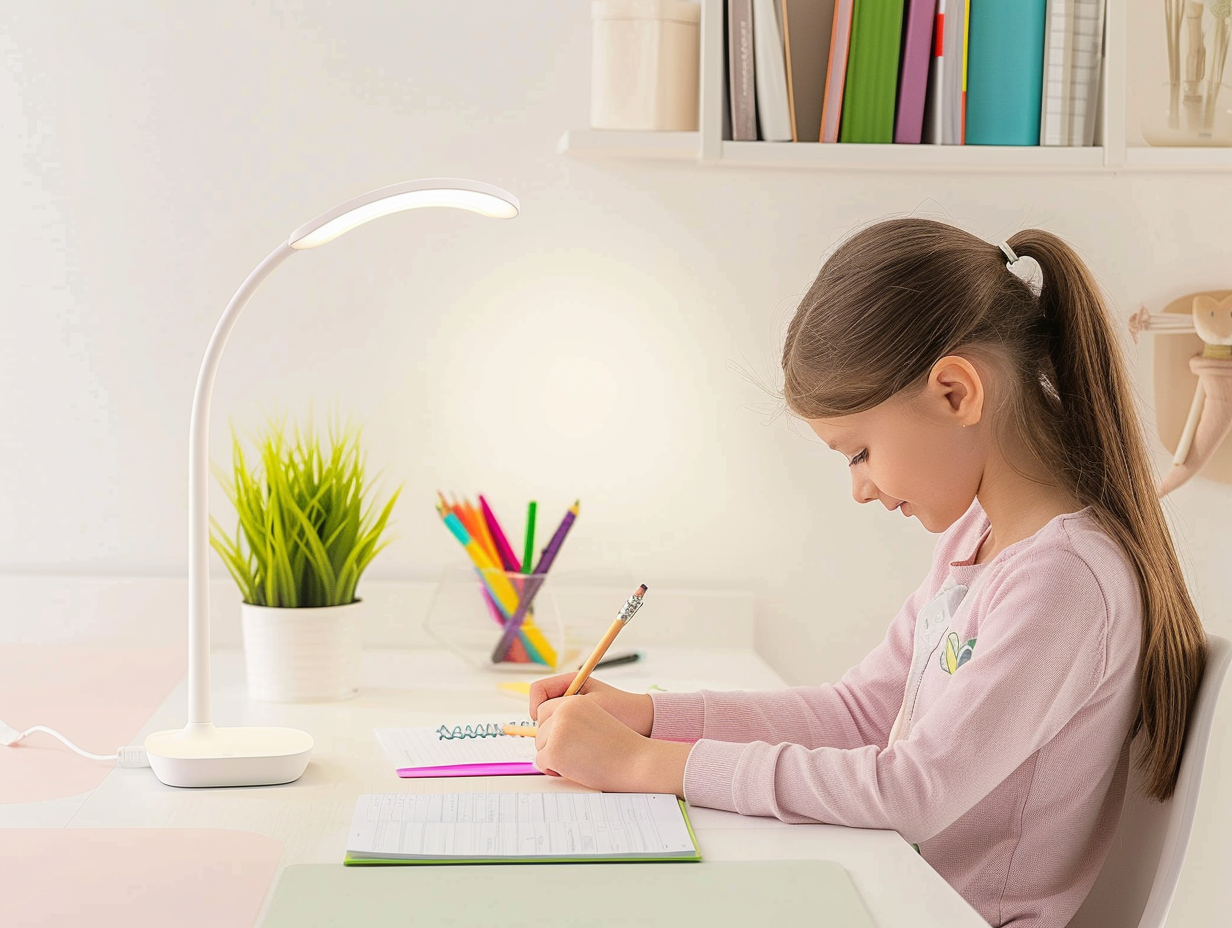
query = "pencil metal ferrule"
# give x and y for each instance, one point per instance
(632, 604)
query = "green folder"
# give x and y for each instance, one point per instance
(870, 90)
(692, 854)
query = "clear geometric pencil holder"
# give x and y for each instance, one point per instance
(468, 612)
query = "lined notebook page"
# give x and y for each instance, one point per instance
(517, 826)
(432, 747)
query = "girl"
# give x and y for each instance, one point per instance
(992, 726)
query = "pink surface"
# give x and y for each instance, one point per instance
(134, 877)
(97, 696)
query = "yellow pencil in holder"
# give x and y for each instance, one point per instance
(504, 594)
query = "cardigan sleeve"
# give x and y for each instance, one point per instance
(1041, 657)
(857, 710)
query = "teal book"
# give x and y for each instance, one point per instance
(1005, 71)
(871, 86)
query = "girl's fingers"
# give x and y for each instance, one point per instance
(548, 688)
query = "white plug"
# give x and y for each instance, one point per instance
(8, 735)
(132, 756)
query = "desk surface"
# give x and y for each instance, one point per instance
(407, 688)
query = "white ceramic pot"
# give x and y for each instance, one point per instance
(302, 655)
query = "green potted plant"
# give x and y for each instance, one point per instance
(306, 531)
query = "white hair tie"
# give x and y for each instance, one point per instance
(1009, 254)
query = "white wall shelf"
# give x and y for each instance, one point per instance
(707, 146)
(686, 146)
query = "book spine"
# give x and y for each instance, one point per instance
(1073, 49)
(791, 90)
(952, 91)
(913, 79)
(836, 71)
(1005, 76)
(770, 73)
(872, 72)
(934, 105)
(740, 70)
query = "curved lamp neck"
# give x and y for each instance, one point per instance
(199, 495)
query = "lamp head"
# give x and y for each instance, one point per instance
(472, 195)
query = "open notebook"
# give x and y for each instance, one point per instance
(551, 827)
(477, 750)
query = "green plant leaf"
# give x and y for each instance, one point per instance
(306, 528)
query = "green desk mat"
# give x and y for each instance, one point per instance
(740, 894)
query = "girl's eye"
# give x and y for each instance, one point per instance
(859, 458)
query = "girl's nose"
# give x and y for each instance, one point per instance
(863, 490)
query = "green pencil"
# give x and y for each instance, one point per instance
(529, 552)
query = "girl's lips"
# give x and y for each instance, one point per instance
(902, 507)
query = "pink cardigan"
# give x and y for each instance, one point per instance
(1011, 758)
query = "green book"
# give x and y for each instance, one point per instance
(556, 826)
(869, 91)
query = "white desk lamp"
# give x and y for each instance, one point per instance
(200, 754)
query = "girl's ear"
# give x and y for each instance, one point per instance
(957, 386)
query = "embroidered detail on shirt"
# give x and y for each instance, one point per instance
(955, 655)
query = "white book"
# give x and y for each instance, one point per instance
(1073, 63)
(770, 73)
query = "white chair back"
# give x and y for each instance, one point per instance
(1138, 880)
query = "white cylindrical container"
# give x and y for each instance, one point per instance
(644, 65)
(302, 655)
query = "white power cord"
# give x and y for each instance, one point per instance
(132, 755)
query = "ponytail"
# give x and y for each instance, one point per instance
(1103, 461)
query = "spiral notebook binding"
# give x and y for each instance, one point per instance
(487, 730)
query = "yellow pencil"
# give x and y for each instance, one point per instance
(632, 604)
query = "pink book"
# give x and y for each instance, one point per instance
(836, 71)
(913, 74)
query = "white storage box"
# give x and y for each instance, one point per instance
(645, 65)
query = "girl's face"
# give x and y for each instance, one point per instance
(914, 455)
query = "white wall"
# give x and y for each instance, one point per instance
(152, 154)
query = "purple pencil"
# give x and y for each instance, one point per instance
(533, 582)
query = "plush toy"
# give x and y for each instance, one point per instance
(1210, 413)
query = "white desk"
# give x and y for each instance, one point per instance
(404, 688)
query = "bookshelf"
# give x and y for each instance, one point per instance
(1113, 153)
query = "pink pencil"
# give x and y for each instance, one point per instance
(509, 560)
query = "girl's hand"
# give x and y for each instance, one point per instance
(635, 710)
(580, 740)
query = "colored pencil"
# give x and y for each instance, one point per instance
(529, 548)
(508, 559)
(534, 582)
(503, 592)
(485, 537)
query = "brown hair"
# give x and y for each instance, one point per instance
(901, 294)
